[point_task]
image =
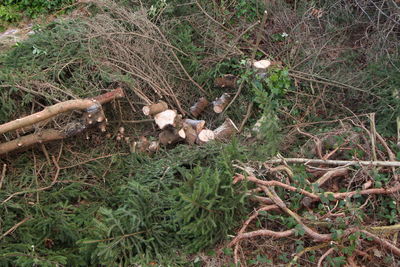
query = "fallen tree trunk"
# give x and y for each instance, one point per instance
(52, 111)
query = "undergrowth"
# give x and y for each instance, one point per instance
(112, 208)
(150, 208)
(12, 11)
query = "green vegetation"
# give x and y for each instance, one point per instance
(14, 11)
(335, 62)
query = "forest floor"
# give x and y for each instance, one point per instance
(309, 175)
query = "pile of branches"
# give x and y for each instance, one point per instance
(117, 47)
(345, 209)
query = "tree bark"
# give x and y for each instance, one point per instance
(154, 109)
(58, 108)
(199, 107)
(221, 103)
(226, 130)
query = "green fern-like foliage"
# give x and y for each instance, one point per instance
(172, 203)
(207, 207)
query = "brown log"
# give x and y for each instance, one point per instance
(226, 130)
(227, 81)
(165, 118)
(191, 134)
(198, 125)
(170, 137)
(199, 107)
(154, 147)
(151, 110)
(205, 136)
(140, 146)
(221, 103)
(178, 122)
(58, 108)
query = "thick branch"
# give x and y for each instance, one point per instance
(58, 108)
(29, 140)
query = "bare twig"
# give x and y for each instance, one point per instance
(373, 136)
(235, 242)
(246, 117)
(315, 197)
(383, 242)
(53, 182)
(3, 175)
(336, 162)
(12, 229)
(331, 174)
(329, 251)
(313, 248)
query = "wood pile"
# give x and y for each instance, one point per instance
(177, 129)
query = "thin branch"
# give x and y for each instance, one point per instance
(383, 242)
(12, 229)
(53, 182)
(336, 162)
(329, 251)
(3, 175)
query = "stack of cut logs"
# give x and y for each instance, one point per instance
(175, 128)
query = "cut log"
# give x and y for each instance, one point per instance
(227, 81)
(151, 110)
(154, 147)
(191, 134)
(140, 146)
(171, 136)
(205, 136)
(182, 133)
(199, 107)
(261, 65)
(198, 125)
(178, 122)
(52, 111)
(226, 130)
(221, 103)
(165, 118)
